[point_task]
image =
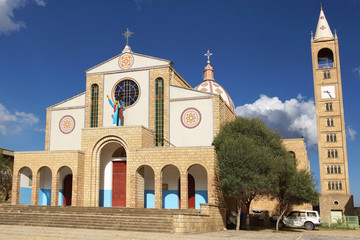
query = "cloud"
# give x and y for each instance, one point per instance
(294, 118)
(351, 132)
(7, 7)
(357, 70)
(12, 123)
(139, 2)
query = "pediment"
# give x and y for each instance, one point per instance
(76, 101)
(128, 61)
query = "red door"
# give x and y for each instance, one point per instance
(191, 192)
(119, 184)
(67, 185)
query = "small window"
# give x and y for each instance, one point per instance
(339, 170)
(332, 170)
(302, 214)
(340, 186)
(329, 186)
(327, 75)
(329, 107)
(328, 169)
(336, 154)
(330, 122)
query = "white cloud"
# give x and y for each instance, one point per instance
(139, 2)
(11, 123)
(293, 118)
(7, 7)
(357, 70)
(351, 132)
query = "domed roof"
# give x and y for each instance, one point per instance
(210, 86)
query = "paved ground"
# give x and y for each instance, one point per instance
(42, 233)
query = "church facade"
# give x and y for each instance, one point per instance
(140, 136)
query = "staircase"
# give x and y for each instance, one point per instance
(124, 219)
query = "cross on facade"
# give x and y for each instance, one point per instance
(208, 54)
(127, 34)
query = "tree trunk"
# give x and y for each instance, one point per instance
(247, 216)
(238, 215)
(278, 220)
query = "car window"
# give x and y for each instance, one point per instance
(302, 214)
(311, 214)
(293, 214)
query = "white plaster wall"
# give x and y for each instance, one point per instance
(171, 177)
(136, 115)
(139, 62)
(178, 92)
(201, 135)
(45, 178)
(200, 176)
(24, 177)
(70, 141)
(77, 101)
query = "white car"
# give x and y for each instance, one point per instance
(302, 218)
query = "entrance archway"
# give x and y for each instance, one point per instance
(112, 176)
(25, 180)
(145, 187)
(170, 187)
(45, 186)
(67, 190)
(198, 189)
(65, 186)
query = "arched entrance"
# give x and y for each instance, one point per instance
(191, 192)
(170, 187)
(65, 186)
(197, 186)
(112, 176)
(145, 187)
(45, 176)
(67, 190)
(25, 180)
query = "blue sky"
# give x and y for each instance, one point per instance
(261, 56)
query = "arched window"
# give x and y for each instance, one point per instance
(325, 58)
(159, 112)
(94, 105)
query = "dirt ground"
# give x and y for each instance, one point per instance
(48, 233)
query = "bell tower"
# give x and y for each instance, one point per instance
(335, 200)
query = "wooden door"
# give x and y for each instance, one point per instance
(119, 184)
(67, 190)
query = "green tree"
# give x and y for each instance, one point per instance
(5, 178)
(295, 187)
(248, 153)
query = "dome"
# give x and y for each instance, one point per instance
(210, 86)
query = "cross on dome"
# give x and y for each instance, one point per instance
(208, 54)
(127, 35)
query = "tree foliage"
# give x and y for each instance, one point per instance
(253, 161)
(247, 155)
(5, 178)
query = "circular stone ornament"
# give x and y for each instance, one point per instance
(67, 124)
(190, 118)
(126, 61)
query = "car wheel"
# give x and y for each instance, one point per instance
(281, 224)
(309, 226)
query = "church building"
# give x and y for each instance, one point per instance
(141, 136)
